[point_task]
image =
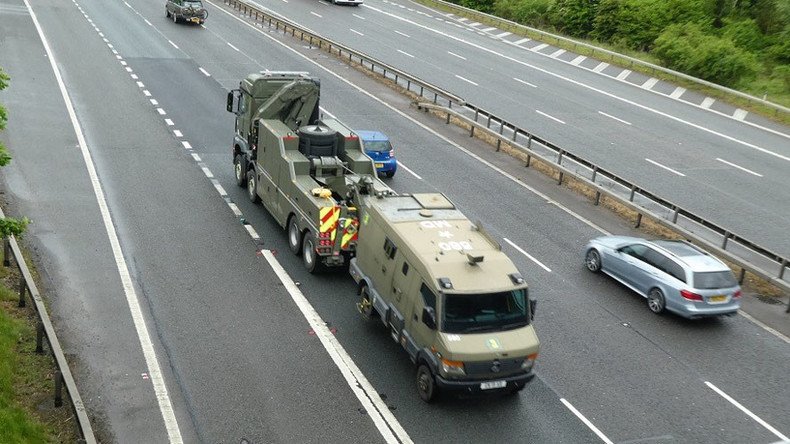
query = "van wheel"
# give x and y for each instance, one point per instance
(294, 236)
(655, 301)
(365, 305)
(252, 186)
(239, 170)
(310, 258)
(426, 386)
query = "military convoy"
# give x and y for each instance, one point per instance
(439, 283)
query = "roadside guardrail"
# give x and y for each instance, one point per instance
(45, 330)
(615, 57)
(746, 254)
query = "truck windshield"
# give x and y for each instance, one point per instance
(469, 313)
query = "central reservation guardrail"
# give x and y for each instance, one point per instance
(748, 255)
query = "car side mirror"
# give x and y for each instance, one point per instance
(234, 99)
(532, 304)
(429, 317)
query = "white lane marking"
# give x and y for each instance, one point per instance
(253, 234)
(409, 170)
(456, 55)
(140, 84)
(740, 114)
(601, 66)
(665, 167)
(134, 76)
(463, 19)
(679, 91)
(129, 69)
(101, 35)
(154, 102)
(234, 48)
(123, 63)
(550, 117)
(207, 172)
(205, 73)
(235, 209)
(521, 250)
(316, 14)
(117, 56)
(624, 74)
(539, 47)
(405, 35)
(358, 16)
(161, 111)
(196, 156)
(466, 80)
(169, 122)
(147, 22)
(502, 35)
(524, 40)
(132, 300)
(764, 327)
(375, 408)
(219, 188)
(578, 60)
(557, 53)
(524, 82)
(613, 117)
(474, 24)
(146, 93)
(747, 411)
(178, 133)
(586, 421)
(739, 167)
(186, 145)
(707, 102)
(174, 45)
(109, 45)
(488, 29)
(356, 32)
(405, 53)
(650, 83)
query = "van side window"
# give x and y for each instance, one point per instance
(428, 297)
(389, 248)
(405, 268)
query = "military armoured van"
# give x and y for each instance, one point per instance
(447, 294)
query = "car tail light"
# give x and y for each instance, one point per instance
(690, 296)
(737, 294)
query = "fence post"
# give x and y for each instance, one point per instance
(724, 242)
(40, 337)
(22, 288)
(675, 215)
(597, 198)
(638, 220)
(58, 388)
(633, 190)
(742, 275)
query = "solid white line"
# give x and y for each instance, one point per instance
(409, 170)
(358, 16)
(132, 300)
(356, 32)
(466, 80)
(235, 48)
(665, 167)
(601, 66)
(174, 45)
(739, 167)
(623, 74)
(578, 60)
(405, 53)
(613, 117)
(169, 122)
(147, 22)
(316, 14)
(679, 91)
(764, 327)
(650, 83)
(747, 411)
(205, 73)
(524, 82)
(524, 40)
(586, 421)
(375, 408)
(456, 55)
(539, 47)
(550, 117)
(707, 102)
(253, 234)
(186, 145)
(177, 133)
(521, 250)
(405, 35)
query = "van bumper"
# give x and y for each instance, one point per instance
(513, 382)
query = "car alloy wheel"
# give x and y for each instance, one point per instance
(655, 301)
(593, 261)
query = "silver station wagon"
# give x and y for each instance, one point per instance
(672, 275)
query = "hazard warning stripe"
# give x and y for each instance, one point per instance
(329, 217)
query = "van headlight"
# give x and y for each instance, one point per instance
(452, 368)
(529, 362)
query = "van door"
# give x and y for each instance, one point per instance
(422, 331)
(399, 293)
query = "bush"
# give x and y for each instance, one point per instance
(533, 13)
(574, 17)
(687, 49)
(745, 34)
(486, 6)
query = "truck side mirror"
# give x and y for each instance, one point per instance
(234, 99)
(429, 317)
(532, 304)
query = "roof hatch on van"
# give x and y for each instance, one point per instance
(433, 201)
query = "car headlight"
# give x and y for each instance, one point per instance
(529, 362)
(453, 368)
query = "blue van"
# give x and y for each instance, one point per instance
(377, 146)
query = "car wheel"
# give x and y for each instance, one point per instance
(252, 186)
(592, 260)
(389, 173)
(426, 386)
(239, 170)
(655, 301)
(294, 236)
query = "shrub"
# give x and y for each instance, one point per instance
(528, 12)
(574, 17)
(745, 34)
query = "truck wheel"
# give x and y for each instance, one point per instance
(252, 186)
(365, 305)
(294, 236)
(426, 385)
(239, 170)
(310, 258)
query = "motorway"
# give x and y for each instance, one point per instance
(731, 171)
(183, 330)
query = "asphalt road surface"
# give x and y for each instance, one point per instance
(236, 354)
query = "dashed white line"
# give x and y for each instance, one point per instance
(161, 111)
(409, 170)
(650, 83)
(235, 209)
(147, 22)
(550, 117)
(140, 84)
(133, 76)
(186, 145)
(557, 53)
(521, 250)
(316, 14)
(146, 93)
(747, 411)
(665, 167)
(253, 233)
(207, 172)
(466, 80)
(219, 188)
(456, 55)
(601, 66)
(474, 24)
(524, 82)
(707, 102)
(123, 63)
(205, 73)
(405, 35)
(178, 133)
(739, 167)
(613, 117)
(539, 47)
(356, 32)
(740, 114)
(524, 40)
(358, 16)
(679, 91)
(502, 35)
(578, 60)
(169, 122)
(196, 156)
(109, 45)
(173, 44)
(405, 53)
(231, 45)
(586, 421)
(117, 56)
(488, 29)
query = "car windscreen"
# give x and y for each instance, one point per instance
(377, 145)
(714, 279)
(469, 313)
(195, 5)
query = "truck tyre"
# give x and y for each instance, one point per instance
(239, 170)
(310, 258)
(252, 186)
(426, 386)
(366, 304)
(294, 236)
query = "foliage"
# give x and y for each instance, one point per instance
(8, 226)
(574, 17)
(533, 13)
(688, 49)
(745, 34)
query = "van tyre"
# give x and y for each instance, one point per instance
(310, 258)
(252, 186)
(239, 170)
(426, 385)
(655, 301)
(294, 236)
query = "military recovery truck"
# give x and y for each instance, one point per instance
(438, 282)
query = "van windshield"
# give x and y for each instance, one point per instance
(470, 313)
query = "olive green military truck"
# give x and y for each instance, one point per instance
(439, 283)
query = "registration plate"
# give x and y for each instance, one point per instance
(718, 299)
(492, 385)
(379, 165)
